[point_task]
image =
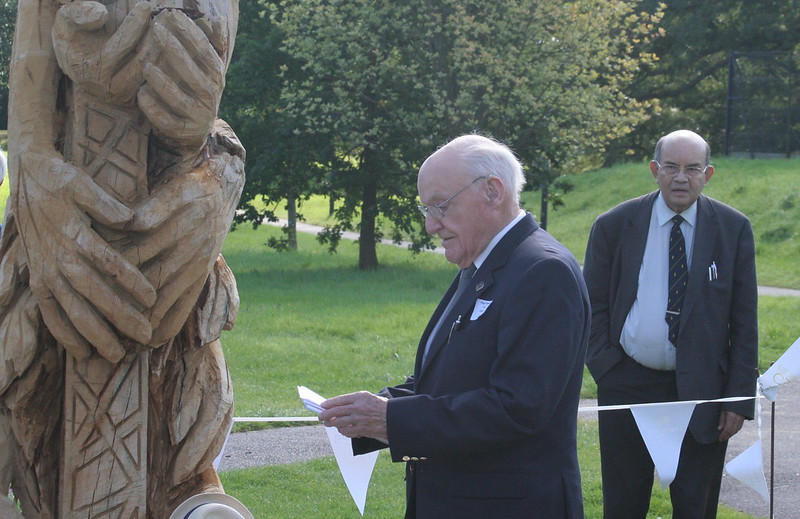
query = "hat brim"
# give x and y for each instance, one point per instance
(210, 497)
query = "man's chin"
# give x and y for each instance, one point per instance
(451, 256)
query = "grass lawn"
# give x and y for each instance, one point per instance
(314, 319)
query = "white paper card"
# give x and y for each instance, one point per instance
(480, 307)
(311, 400)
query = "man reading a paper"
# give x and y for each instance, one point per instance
(487, 423)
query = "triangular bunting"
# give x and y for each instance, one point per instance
(785, 369)
(662, 427)
(218, 459)
(356, 470)
(748, 468)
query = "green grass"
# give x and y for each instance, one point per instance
(314, 319)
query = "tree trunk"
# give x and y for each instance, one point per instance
(291, 223)
(543, 215)
(367, 253)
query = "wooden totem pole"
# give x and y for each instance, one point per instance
(114, 394)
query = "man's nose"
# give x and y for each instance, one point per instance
(432, 225)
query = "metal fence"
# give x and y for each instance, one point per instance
(763, 106)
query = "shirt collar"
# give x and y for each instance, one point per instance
(497, 237)
(664, 214)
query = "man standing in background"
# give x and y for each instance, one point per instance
(672, 281)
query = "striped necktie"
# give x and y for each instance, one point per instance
(678, 276)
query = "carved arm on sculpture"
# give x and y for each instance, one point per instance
(181, 228)
(85, 289)
(184, 81)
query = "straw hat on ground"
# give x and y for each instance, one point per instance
(211, 505)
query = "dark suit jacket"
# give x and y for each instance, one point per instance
(491, 417)
(718, 336)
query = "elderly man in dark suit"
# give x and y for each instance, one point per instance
(672, 281)
(487, 423)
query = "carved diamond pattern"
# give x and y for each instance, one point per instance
(105, 465)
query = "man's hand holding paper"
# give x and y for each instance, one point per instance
(357, 415)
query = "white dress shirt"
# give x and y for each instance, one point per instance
(645, 334)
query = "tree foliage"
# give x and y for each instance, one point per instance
(691, 77)
(283, 166)
(387, 82)
(8, 15)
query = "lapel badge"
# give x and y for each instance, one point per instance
(479, 286)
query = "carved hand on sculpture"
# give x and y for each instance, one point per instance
(183, 226)
(108, 67)
(185, 81)
(86, 290)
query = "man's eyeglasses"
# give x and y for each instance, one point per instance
(673, 169)
(437, 210)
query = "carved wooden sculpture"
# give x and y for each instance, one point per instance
(114, 393)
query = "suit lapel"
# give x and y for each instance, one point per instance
(483, 279)
(431, 323)
(632, 253)
(705, 237)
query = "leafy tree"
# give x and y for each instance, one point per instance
(8, 16)
(691, 78)
(388, 81)
(282, 164)
(550, 78)
(359, 85)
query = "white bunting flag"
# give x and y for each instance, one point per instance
(785, 369)
(218, 459)
(356, 470)
(662, 427)
(748, 468)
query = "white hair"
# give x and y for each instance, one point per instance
(486, 157)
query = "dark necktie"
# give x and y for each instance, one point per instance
(463, 281)
(678, 276)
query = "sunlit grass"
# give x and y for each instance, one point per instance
(314, 319)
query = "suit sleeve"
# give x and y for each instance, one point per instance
(743, 326)
(365, 445)
(603, 352)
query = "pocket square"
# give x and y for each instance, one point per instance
(480, 307)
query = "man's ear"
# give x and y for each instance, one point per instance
(495, 191)
(654, 168)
